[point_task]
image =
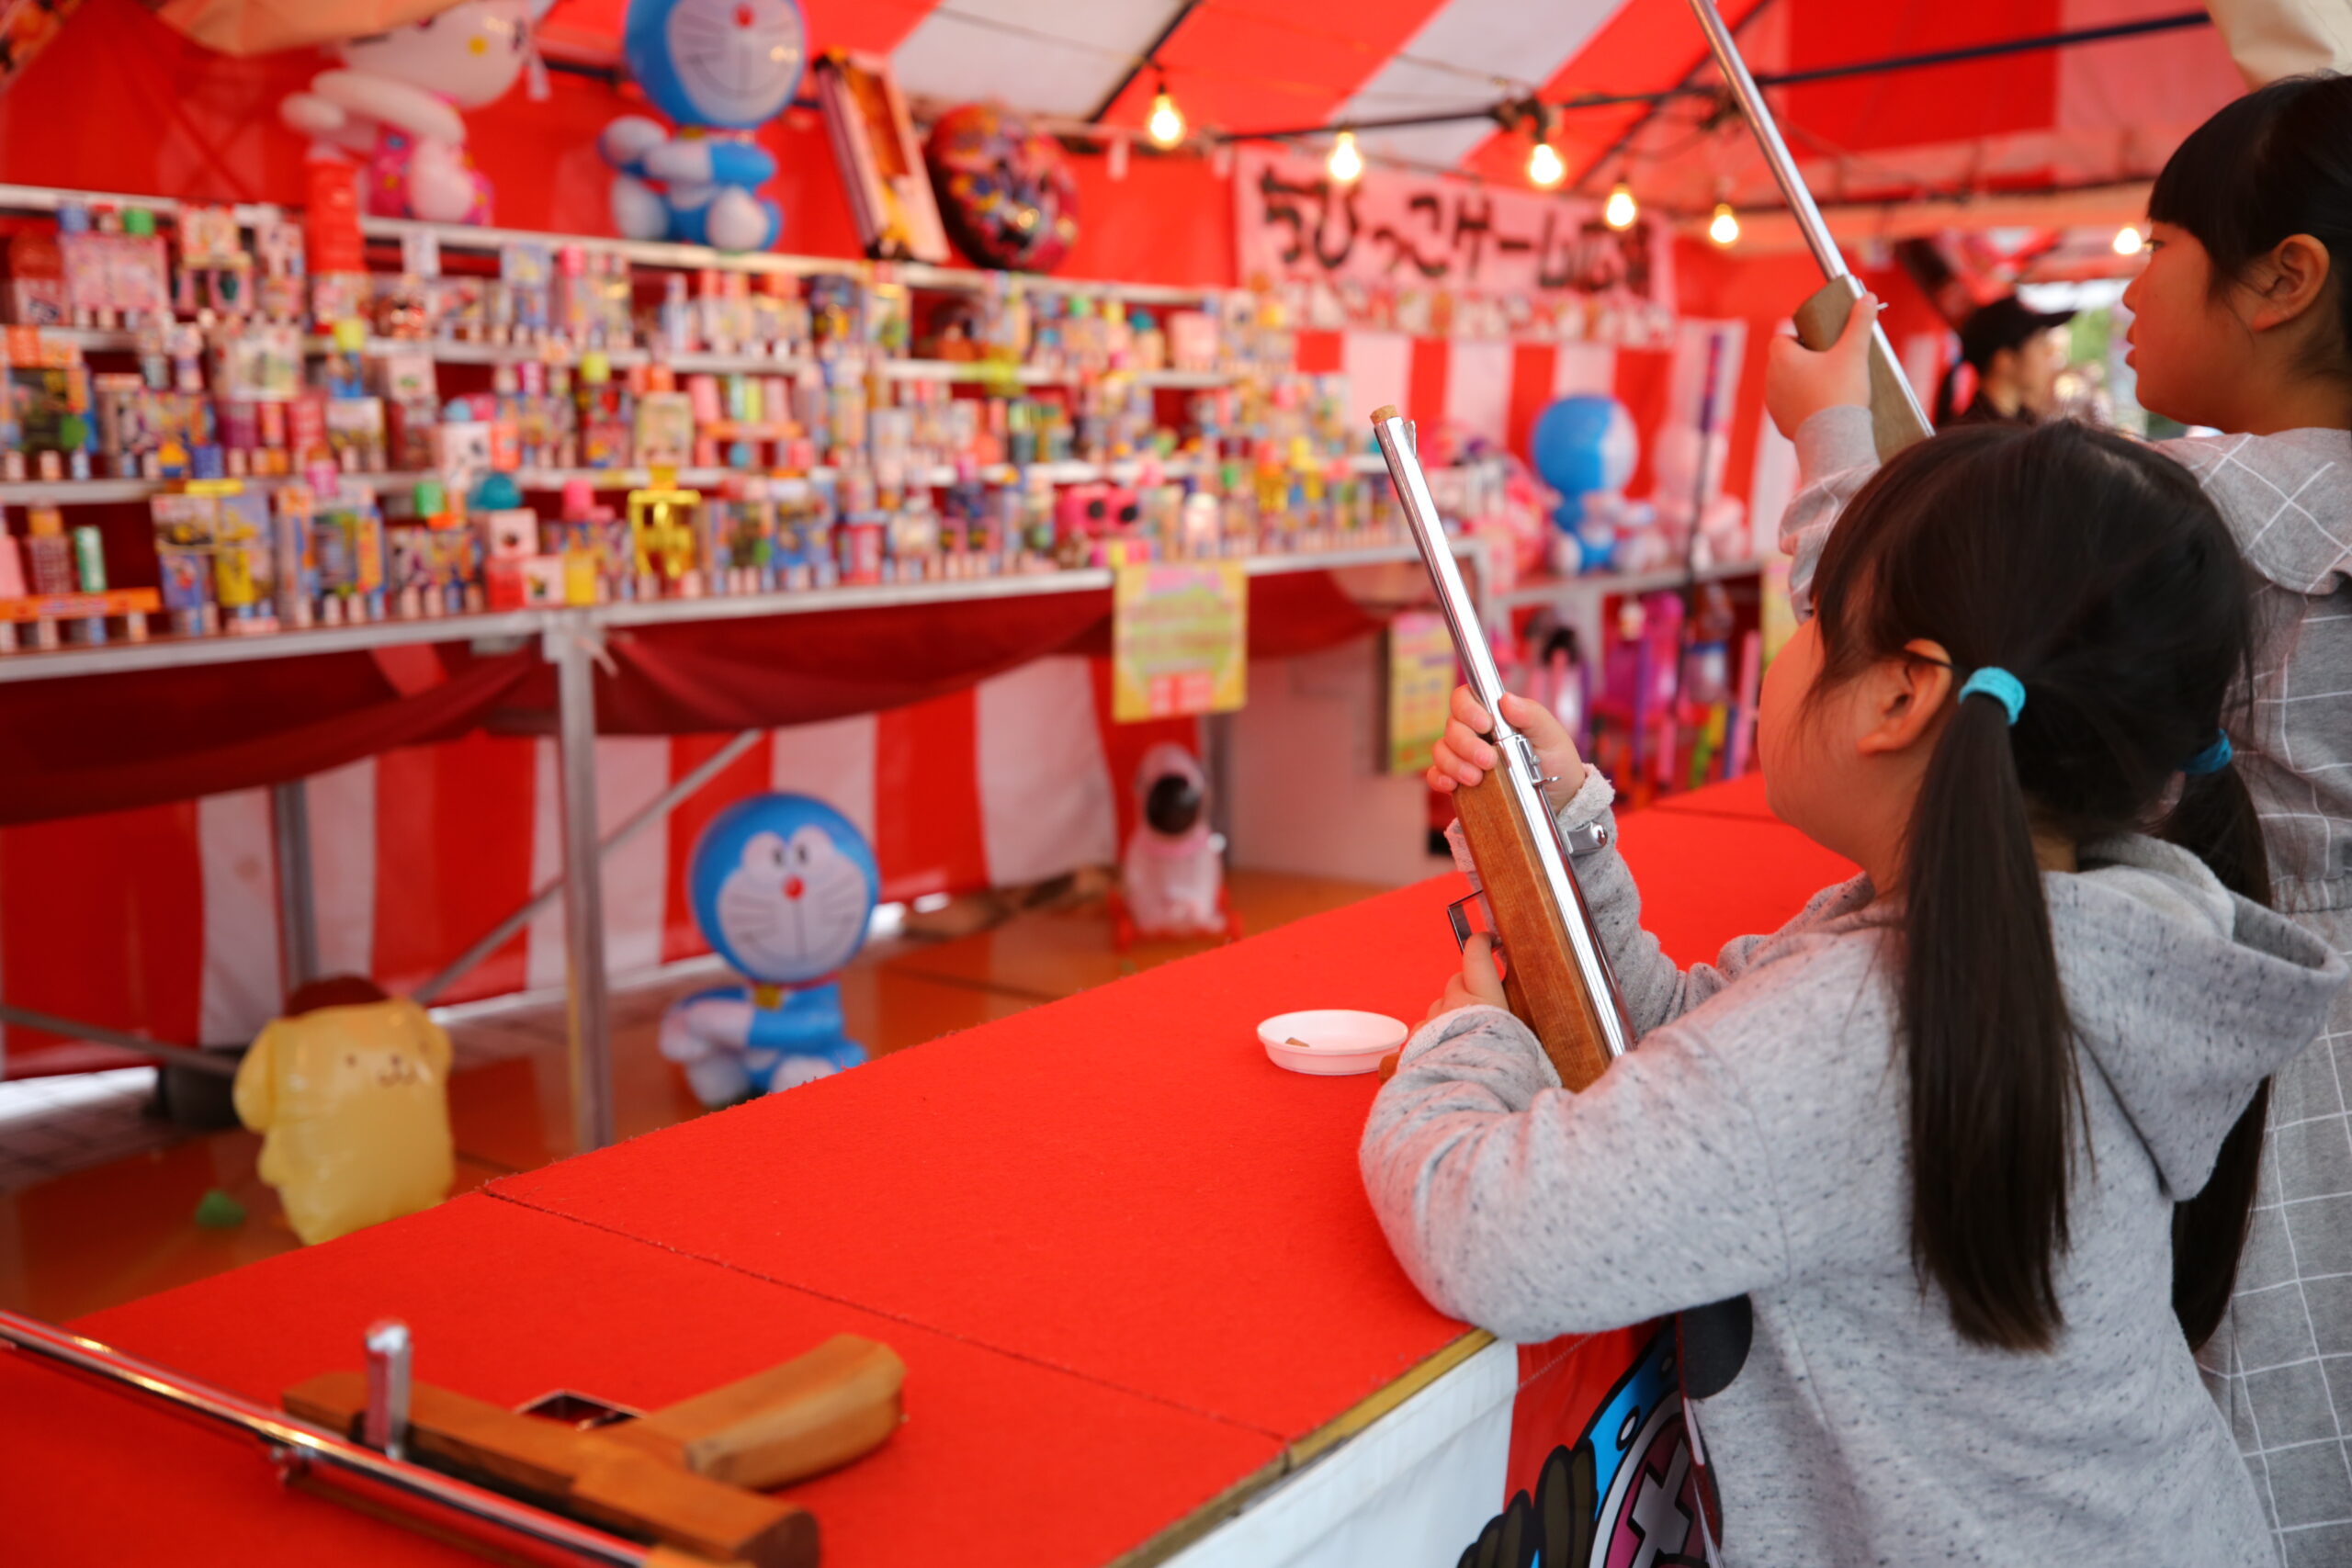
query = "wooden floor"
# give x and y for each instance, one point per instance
(98, 1236)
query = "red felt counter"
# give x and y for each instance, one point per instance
(1128, 1261)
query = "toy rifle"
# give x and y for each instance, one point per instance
(566, 1478)
(1557, 978)
(1896, 418)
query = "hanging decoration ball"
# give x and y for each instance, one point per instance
(1006, 191)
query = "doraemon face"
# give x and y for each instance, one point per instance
(784, 887)
(470, 53)
(733, 63)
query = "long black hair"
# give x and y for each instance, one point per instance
(2271, 164)
(2096, 571)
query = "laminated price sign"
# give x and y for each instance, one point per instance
(1180, 639)
(1421, 684)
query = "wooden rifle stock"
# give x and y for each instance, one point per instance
(1541, 980)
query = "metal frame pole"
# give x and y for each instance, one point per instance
(572, 648)
(660, 806)
(297, 922)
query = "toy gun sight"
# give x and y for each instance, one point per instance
(1557, 980)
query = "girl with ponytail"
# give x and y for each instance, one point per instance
(1918, 1154)
(2242, 322)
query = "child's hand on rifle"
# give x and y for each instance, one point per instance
(1464, 755)
(1480, 983)
(1799, 383)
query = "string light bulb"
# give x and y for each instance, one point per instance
(1544, 169)
(1346, 165)
(1621, 209)
(2128, 241)
(1723, 228)
(1166, 124)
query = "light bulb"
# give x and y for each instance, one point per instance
(1723, 228)
(1346, 163)
(1166, 126)
(2128, 241)
(1544, 169)
(1620, 211)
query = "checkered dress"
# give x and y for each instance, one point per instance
(2281, 1364)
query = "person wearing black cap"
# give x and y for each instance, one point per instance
(2018, 355)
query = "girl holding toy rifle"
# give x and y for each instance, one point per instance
(2242, 323)
(1916, 1154)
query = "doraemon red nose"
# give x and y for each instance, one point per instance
(793, 887)
(744, 15)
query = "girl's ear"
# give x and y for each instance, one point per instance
(1905, 695)
(2288, 282)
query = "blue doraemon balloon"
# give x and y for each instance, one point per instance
(719, 68)
(782, 887)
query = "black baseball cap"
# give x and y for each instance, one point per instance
(2003, 324)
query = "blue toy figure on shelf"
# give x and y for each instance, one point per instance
(1585, 447)
(719, 68)
(782, 887)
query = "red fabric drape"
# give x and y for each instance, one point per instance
(108, 742)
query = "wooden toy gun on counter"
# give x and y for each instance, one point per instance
(567, 1479)
(1556, 974)
(1896, 418)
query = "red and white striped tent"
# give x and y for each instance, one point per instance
(162, 918)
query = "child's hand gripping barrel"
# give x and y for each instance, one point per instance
(1556, 977)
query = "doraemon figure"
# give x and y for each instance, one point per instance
(719, 68)
(782, 887)
(1172, 877)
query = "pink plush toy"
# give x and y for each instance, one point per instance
(394, 105)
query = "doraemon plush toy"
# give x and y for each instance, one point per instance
(782, 887)
(719, 68)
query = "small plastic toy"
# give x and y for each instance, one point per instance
(781, 886)
(1172, 878)
(718, 69)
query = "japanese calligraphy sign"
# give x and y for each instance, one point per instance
(1439, 238)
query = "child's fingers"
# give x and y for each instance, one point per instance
(1480, 976)
(1441, 779)
(1532, 719)
(1470, 713)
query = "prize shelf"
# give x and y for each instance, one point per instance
(466, 237)
(509, 626)
(457, 351)
(1122, 471)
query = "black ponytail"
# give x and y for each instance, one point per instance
(2216, 818)
(2096, 572)
(2273, 164)
(1994, 1089)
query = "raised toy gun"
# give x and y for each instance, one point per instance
(1896, 418)
(1557, 978)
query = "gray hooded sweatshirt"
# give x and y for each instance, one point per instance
(1753, 1146)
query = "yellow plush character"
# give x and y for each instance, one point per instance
(353, 1102)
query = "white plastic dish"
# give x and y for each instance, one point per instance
(1335, 1041)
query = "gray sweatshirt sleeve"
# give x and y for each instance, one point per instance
(1531, 1211)
(1835, 456)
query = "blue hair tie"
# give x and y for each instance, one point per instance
(1992, 680)
(2212, 760)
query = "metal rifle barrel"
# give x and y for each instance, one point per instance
(1768, 138)
(1518, 769)
(301, 1448)
(1802, 206)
